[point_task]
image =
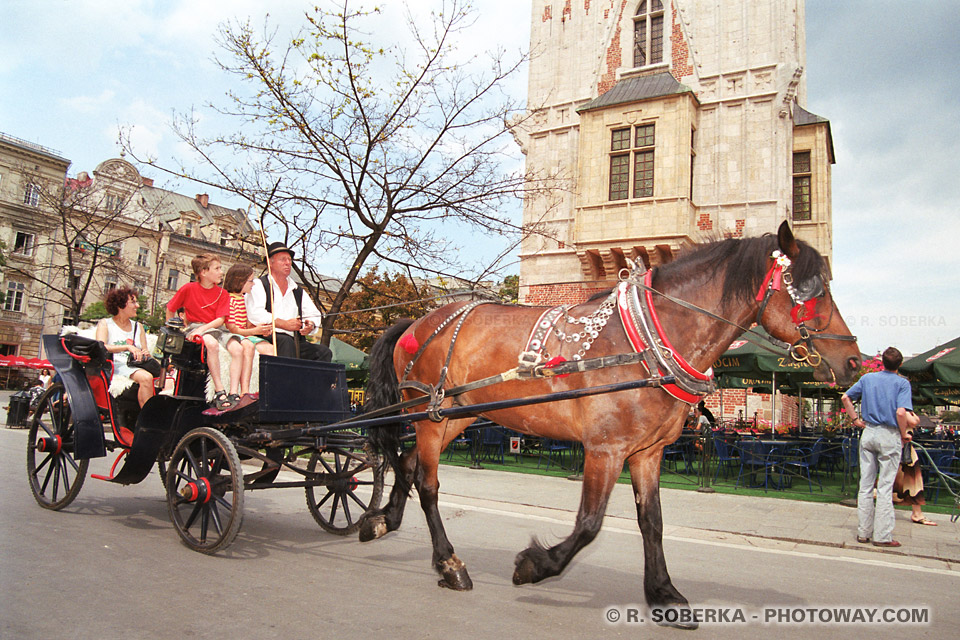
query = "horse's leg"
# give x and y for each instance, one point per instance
(535, 563)
(657, 586)
(432, 438)
(382, 521)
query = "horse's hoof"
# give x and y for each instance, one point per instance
(525, 572)
(372, 528)
(454, 574)
(677, 616)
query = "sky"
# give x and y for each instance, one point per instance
(73, 71)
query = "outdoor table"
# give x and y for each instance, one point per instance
(778, 452)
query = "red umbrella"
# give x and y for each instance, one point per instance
(17, 361)
(36, 363)
(4, 361)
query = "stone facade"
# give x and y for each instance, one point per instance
(719, 85)
(144, 237)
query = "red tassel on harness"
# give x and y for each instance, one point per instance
(552, 362)
(409, 343)
(804, 311)
(772, 279)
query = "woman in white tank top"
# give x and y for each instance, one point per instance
(125, 339)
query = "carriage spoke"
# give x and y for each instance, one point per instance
(353, 496)
(346, 508)
(215, 517)
(66, 475)
(73, 463)
(47, 460)
(333, 508)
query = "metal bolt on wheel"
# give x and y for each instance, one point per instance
(54, 474)
(205, 490)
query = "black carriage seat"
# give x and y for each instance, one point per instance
(97, 364)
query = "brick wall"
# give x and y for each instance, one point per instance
(548, 295)
(614, 56)
(680, 64)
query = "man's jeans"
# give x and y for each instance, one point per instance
(880, 449)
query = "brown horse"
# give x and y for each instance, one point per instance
(722, 278)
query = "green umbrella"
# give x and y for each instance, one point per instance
(746, 359)
(354, 359)
(940, 365)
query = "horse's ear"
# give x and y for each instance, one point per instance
(788, 244)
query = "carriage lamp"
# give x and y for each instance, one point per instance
(170, 340)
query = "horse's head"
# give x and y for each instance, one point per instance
(797, 308)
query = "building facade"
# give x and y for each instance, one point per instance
(94, 232)
(28, 171)
(665, 123)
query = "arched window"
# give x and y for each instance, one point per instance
(648, 33)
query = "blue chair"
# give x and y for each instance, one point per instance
(461, 443)
(803, 460)
(754, 459)
(553, 450)
(946, 463)
(851, 460)
(831, 456)
(724, 459)
(677, 452)
(491, 444)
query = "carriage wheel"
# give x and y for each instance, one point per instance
(55, 475)
(354, 487)
(205, 490)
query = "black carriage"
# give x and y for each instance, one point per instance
(206, 462)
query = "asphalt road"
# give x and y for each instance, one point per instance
(112, 566)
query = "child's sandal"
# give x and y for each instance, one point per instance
(222, 401)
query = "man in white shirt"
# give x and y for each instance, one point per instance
(295, 313)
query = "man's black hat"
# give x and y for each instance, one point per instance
(278, 247)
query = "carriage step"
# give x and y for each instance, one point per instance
(113, 468)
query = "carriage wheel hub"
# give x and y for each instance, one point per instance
(52, 444)
(198, 491)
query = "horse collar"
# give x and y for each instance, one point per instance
(647, 336)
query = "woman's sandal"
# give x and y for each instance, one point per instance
(922, 520)
(222, 401)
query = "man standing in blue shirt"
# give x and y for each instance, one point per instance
(884, 400)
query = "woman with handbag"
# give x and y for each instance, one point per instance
(125, 338)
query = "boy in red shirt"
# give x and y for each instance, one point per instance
(206, 305)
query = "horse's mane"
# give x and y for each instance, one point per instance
(743, 262)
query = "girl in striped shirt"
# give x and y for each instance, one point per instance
(237, 282)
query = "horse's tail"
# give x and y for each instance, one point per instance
(383, 390)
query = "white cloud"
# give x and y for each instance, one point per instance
(89, 104)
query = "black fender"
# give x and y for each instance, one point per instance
(88, 428)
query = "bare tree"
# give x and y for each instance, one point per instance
(396, 155)
(82, 226)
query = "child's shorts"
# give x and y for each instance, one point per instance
(221, 336)
(255, 339)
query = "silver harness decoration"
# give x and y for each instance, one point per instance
(536, 353)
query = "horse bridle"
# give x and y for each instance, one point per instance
(810, 290)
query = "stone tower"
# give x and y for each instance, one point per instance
(666, 123)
